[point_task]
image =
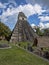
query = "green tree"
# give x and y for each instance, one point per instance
(46, 31)
(39, 32)
(4, 30)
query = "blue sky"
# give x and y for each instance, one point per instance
(37, 12)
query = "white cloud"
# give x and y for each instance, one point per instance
(13, 2)
(32, 25)
(47, 25)
(31, 9)
(44, 18)
(2, 5)
(38, 9)
(44, 3)
(28, 9)
(43, 26)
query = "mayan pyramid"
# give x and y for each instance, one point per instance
(22, 30)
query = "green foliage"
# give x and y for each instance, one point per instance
(46, 31)
(42, 32)
(4, 30)
(24, 44)
(39, 32)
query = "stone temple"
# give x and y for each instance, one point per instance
(22, 30)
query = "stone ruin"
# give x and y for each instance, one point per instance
(22, 30)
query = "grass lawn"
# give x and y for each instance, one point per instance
(24, 44)
(17, 56)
